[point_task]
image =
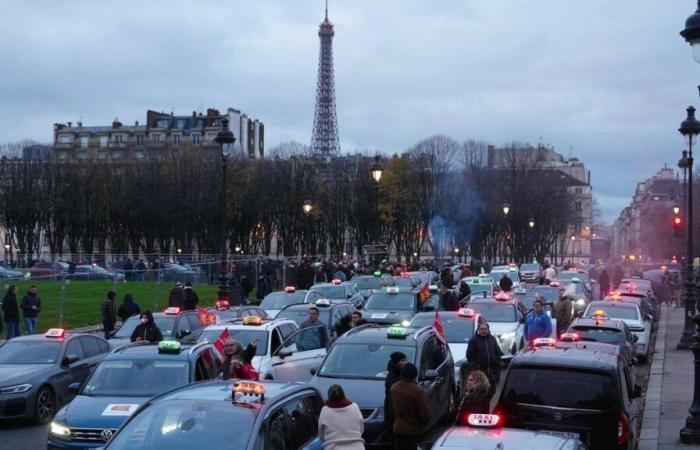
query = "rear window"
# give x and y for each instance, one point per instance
(604, 335)
(559, 387)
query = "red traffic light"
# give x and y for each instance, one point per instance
(677, 220)
(677, 226)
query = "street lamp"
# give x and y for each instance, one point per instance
(676, 209)
(377, 169)
(531, 223)
(238, 248)
(506, 209)
(308, 207)
(224, 138)
(7, 253)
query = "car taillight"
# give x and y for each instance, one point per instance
(623, 428)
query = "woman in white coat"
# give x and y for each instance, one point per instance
(340, 424)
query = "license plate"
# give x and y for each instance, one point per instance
(378, 316)
(564, 434)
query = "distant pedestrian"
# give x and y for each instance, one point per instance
(247, 287)
(191, 298)
(537, 324)
(448, 300)
(128, 308)
(563, 312)
(340, 424)
(476, 397)
(176, 297)
(147, 330)
(264, 286)
(31, 307)
(129, 270)
(604, 283)
(411, 411)
(505, 283)
(109, 314)
(550, 273)
(484, 351)
(10, 312)
(141, 270)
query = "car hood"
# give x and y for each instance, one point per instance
(458, 350)
(11, 374)
(366, 393)
(499, 328)
(99, 412)
(272, 313)
(386, 316)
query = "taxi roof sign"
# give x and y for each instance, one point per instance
(323, 302)
(55, 333)
(513, 269)
(169, 347)
(290, 289)
(377, 273)
(172, 310)
(433, 288)
(392, 290)
(248, 388)
(554, 283)
(336, 281)
(545, 342)
(252, 320)
(569, 337)
(221, 305)
(465, 312)
(483, 420)
(396, 332)
(575, 280)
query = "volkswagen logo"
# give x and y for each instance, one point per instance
(106, 435)
(557, 417)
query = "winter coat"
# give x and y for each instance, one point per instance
(128, 308)
(393, 375)
(506, 284)
(411, 411)
(477, 402)
(340, 427)
(109, 314)
(191, 298)
(176, 298)
(563, 311)
(537, 326)
(449, 302)
(486, 354)
(604, 283)
(9, 308)
(148, 331)
(28, 301)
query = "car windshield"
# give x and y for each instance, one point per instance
(29, 352)
(301, 315)
(164, 323)
(561, 388)
(458, 330)
(530, 267)
(366, 361)
(613, 312)
(550, 295)
(278, 300)
(368, 283)
(337, 292)
(604, 335)
(481, 287)
(136, 378)
(184, 424)
(496, 276)
(245, 337)
(395, 302)
(495, 312)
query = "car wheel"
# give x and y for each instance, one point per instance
(44, 405)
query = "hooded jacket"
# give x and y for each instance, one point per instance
(148, 331)
(537, 326)
(128, 308)
(486, 354)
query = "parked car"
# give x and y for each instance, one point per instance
(48, 270)
(94, 272)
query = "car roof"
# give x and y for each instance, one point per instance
(150, 351)
(402, 290)
(266, 324)
(368, 334)
(565, 357)
(609, 304)
(510, 301)
(302, 306)
(489, 438)
(616, 324)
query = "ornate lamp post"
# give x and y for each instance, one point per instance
(224, 138)
(506, 209)
(686, 340)
(377, 169)
(307, 207)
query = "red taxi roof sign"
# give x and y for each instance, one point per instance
(336, 281)
(465, 312)
(502, 297)
(55, 333)
(290, 289)
(554, 283)
(483, 420)
(569, 337)
(221, 305)
(248, 388)
(172, 310)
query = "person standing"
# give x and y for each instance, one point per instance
(128, 308)
(448, 300)
(340, 424)
(129, 270)
(411, 411)
(232, 351)
(604, 283)
(563, 312)
(505, 283)
(537, 324)
(317, 336)
(191, 298)
(147, 330)
(393, 375)
(242, 367)
(176, 297)
(550, 273)
(10, 312)
(141, 270)
(483, 350)
(357, 319)
(475, 399)
(31, 307)
(109, 314)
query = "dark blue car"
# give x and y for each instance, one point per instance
(123, 381)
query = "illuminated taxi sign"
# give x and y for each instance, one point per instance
(169, 347)
(513, 269)
(575, 280)
(475, 280)
(392, 290)
(336, 281)
(377, 273)
(172, 310)
(396, 332)
(404, 274)
(615, 296)
(55, 333)
(249, 388)
(323, 302)
(502, 297)
(465, 312)
(545, 342)
(569, 337)
(252, 320)
(554, 284)
(599, 314)
(433, 288)
(483, 420)
(221, 305)
(290, 289)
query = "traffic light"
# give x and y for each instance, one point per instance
(677, 226)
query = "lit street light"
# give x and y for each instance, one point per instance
(307, 207)
(506, 208)
(377, 169)
(676, 209)
(531, 223)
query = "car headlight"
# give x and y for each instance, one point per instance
(59, 430)
(580, 302)
(406, 323)
(16, 389)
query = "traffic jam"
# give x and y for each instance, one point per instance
(498, 360)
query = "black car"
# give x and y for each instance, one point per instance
(183, 326)
(589, 394)
(605, 330)
(358, 362)
(367, 285)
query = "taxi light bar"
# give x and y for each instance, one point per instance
(569, 337)
(406, 323)
(248, 388)
(545, 342)
(575, 280)
(55, 333)
(475, 280)
(433, 288)
(599, 314)
(502, 297)
(483, 420)
(465, 312)
(172, 310)
(169, 347)
(252, 320)
(336, 281)
(221, 305)
(323, 302)
(290, 289)
(396, 332)
(377, 273)
(513, 269)
(392, 290)
(555, 284)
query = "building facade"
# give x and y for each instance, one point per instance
(161, 136)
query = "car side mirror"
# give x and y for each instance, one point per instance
(70, 359)
(430, 375)
(637, 391)
(313, 370)
(74, 388)
(284, 354)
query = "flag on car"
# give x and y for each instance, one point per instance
(221, 340)
(424, 293)
(437, 324)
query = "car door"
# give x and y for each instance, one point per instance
(431, 356)
(93, 351)
(302, 351)
(78, 371)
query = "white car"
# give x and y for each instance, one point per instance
(505, 320)
(497, 272)
(278, 356)
(483, 433)
(628, 312)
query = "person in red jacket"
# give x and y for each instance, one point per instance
(243, 368)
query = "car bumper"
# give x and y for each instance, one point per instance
(57, 444)
(19, 406)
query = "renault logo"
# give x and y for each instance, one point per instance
(106, 435)
(557, 417)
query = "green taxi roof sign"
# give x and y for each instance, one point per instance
(377, 273)
(396, 332)
(169, 347)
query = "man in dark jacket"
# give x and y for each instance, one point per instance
(191, 298)
(176, 298)
(393, 375)
(10, 312)
(604, 283)
(506, 284)
(128, 308)
(448, 300)
(147, 330)
(31, 307)
(109, 314)
(411, 411)
(484, 351)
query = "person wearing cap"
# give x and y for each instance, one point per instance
(537, 324)
(109, 314)
(411, 411)
(563, 311)
(393, 375)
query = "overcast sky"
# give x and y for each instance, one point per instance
(607, 80)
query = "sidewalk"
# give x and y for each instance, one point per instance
(670, 389)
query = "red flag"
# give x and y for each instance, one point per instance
(221, 340)
(437, 324)
(424, 293)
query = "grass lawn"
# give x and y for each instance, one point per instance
(83, 299)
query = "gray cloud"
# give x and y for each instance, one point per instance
(610, 80)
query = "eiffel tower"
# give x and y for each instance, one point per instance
(324, 141)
